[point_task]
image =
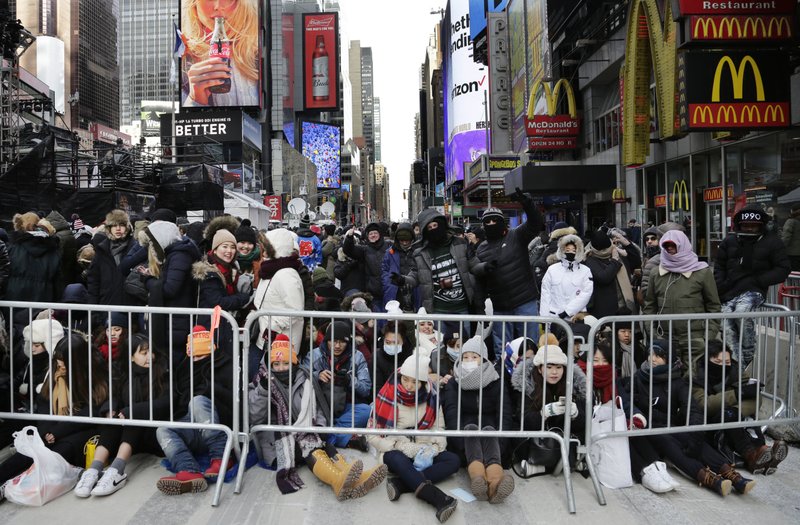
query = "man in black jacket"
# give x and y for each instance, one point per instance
(369, 256)
(748, 262)
(508, 276)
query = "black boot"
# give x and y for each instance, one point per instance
(445, 505)
(395, 488)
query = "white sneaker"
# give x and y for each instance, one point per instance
(111, 482)
(87, 482)
(652, 480)
(662, 469)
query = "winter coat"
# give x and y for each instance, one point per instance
(566, 287)
(671, 396)
(408, 417)
(369, 257)
(421, 275)
(346, 270)
(548, 255)
(310, 248)
(790, 235)
(5, 269)
(394, 261)
(689, 293)
(605, 299)
(213, 292)
(67, 248)
(35, 264)
(330, 245)
(283, 292)
(105, 278)
(356, 367)
(193, 378)
(384, 364)
(712, 397)
(136, 387)
(512, 283)
(769, 265)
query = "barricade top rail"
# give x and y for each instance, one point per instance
(382, 316)
(106, 308)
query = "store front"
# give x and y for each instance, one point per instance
(763, 170)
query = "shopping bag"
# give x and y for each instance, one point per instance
(49, 477)
(611, 456)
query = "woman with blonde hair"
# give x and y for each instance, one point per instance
(203, 73)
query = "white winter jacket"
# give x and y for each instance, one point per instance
(567, 286)
(281, 293)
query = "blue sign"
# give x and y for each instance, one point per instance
(477, 14)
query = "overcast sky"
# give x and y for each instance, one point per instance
(398, 34)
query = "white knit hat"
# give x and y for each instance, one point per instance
(410, 368)
(45, 331)
(555, 356)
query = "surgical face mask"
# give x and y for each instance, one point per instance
(569, 256)
(392, 349)
(469, 366)
(453, 353)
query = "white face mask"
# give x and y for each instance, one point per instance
(392, 349)
(469, 366)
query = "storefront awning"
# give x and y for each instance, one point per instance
(562, 178)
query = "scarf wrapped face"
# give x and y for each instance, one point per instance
(386, 403)
(477, 378)
(246, 261)
(685, 260)
(603, 380)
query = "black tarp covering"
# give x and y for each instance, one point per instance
(29, 184)
(191, 188)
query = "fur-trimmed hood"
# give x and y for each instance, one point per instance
(580, 253)
(202, 269)
(282, 241)
(347, 302)
(226, 222)
(557, 234)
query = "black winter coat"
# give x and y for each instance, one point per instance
(347, 272)
(604, 295)
(35, 266)
(5, 269)
(213, 292)
(665, 387)
(512, 283)
(734, 274)
(370, 258)
(105, 278)
(384, 363)
(200, 371)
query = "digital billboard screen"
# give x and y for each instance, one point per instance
(320, 61)
(322, 145)
(222, 63)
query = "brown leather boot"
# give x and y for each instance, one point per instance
(477, 480)
(758, 459)
(708, 478)
(740, 484)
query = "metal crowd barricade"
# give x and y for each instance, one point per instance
(249, 429)
(71, 317)
(773, 365)
(788, 293)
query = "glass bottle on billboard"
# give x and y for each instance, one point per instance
(319, 71)
(220, 48)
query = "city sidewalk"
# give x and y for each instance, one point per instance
(775, 500)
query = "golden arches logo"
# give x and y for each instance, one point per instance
(682, 192)
(737, 76)
(779, 23)
(753, 23)
(750, 113)
(551, 97)
(727, 113)
(774, 109)
(704, 111)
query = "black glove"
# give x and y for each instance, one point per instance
(750, 391)
(282, 480)
(397, 279)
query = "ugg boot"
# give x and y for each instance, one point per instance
(758, 459)
(707, 478)
(477, 480)
(445, 505)
(501, 485)
(341, 481)
(780, 450)
(395, 488)
(740, 484)
(368, 480)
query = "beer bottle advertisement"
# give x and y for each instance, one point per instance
(320, 61)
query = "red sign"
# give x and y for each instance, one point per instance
(275, 205)
(537, 143)
(287, 32)
(660, 201)
(715, 194)
(320, 60)
(733, 115)
(552, 126)
(108, 135)
(735, 7)
(741, 28)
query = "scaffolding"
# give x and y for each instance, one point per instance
(16, 40)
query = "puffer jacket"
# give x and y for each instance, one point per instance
(790, 235)
(104, 277)
(5, 269)
(711, 397)
(512, 283)
(566, 287)
(370, 257)
(670, 401)
(34, 274)
(768, 265)
(421, 274)
(397, 261)
(213, 292)
(346, 270)
(330, 245)
(67, 247)
(548, 255)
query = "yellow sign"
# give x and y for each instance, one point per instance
(551, 97)
(650, 50)
(737, 75)
(618, 196)
(679, 189)
(746, 28)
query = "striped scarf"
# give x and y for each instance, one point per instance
(386, 403)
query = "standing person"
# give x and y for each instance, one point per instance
(410, 400)
(330, 245)
(548, 256)
(612, 286)
(567, 286)
(790, 235)
(396, 263)
(248, 250)
(634, 232)
(652, 240)
(309, 245)
(34, 262)
(67, 247)
(114, 254)
(748, 262)
(476, 394)
(369, 256)
(507, 275)
(346, 269)
(682, 285)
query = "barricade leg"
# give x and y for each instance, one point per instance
(221, 480)
(568, 476)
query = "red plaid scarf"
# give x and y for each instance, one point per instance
(386, 403)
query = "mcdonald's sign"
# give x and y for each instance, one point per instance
(618, 196)
(739, 28)
(680, 196)
(660, 201)
(734, 90)
(551, 124)
(550, 143)
(734, 7)
(715, 194)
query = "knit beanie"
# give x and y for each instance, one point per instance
(600, 240)
(339, 330)
(554, 356)
(319, 275)
(222, 236)
(476, 345)
(117, 319)
(198, 343)
(245, 233)
(164, 214)
(416, 367)
(281, 350)
(305, 222)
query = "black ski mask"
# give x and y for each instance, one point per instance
(494, 231)
(437, 235)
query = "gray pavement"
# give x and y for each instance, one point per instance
(775, 500)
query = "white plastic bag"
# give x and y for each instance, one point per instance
(611, 456)
(49, 477)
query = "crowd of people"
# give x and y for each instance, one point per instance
(311, 371)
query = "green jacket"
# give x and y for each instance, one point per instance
(712, 401)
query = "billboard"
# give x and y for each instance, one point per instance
(517, 49)
(734, 89)
(478, 21)
(287, 35)
(322, 145)
(209, 126)
(727, 7)
(742, 29)
(222, 64)
(466, 84)
(151, 111)
(320, 61)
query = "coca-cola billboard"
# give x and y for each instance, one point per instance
(321, 61)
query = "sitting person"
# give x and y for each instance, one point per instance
(417, 462)
(394, 346)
